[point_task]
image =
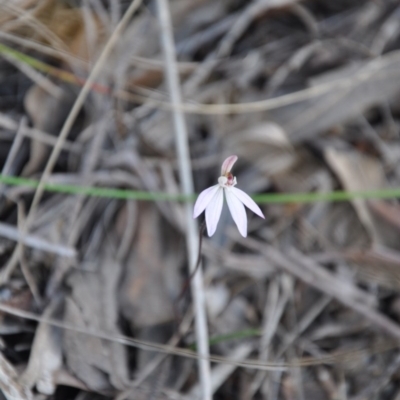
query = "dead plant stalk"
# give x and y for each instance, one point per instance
(192, 238)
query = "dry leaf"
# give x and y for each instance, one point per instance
(358, 172)
(10, 388)
(93, 305)
(46, 357)
(350, 91)
(152, 280)
(266, 145)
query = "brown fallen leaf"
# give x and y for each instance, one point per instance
(93, 304)
(54, 23)
(152, 280)
(266, 145)
(46, 356)
(10, 388)
(47, 114)
(358, 172)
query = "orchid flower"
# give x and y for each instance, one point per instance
(212, 200)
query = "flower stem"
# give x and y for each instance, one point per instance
(196, 268)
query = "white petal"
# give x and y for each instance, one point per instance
(237, 210)
(213, 211)
(228, 164)
(204, 199)
(247, 201)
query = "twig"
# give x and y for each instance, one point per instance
(35, 76)
(68, 124)
(245, 19)
(222, 372)
(311, 273)
(9, 124)
(77, 107)
(17, 142)
(378, 384)
(156, 361)
(182, 352)
(66, 56)
(29, 18)
(192, 237)
(12, 233)
(273, 311)
(23, 263)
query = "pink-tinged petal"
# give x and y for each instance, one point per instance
(247, 201)
(204, 199)
(237, 210)
(228, 164)
(213, 211)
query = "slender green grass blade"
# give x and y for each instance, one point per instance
(243, 334)
(270, 198)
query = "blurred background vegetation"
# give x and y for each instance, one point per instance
(306, 93)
